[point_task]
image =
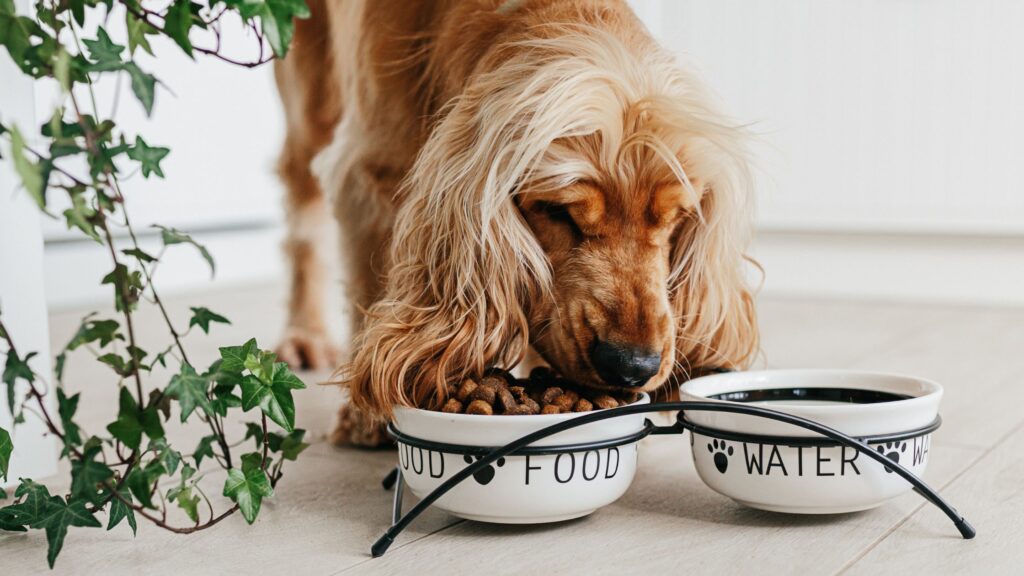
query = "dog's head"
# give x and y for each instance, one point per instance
(579, 197)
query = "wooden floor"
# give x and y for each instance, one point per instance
(330, 507)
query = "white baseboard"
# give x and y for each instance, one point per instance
(965, 269)
(73, 270)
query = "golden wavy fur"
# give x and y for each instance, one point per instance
(511, 175)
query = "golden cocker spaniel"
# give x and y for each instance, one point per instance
(509, 175)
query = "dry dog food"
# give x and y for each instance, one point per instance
(498, 392)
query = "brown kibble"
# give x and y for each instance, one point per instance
(532, 405)
(572, 394)
(549, 395)
(452, 406)
(545, 392)
(484, 392)
(468, 385)
(506, 401)
(565, 402)
(605, 401)
(583, 405)
(499, 378)
(479, 407)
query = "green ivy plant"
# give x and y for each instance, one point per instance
(129, 469)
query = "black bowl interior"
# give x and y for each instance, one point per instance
(841, 395)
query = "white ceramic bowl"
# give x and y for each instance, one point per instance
(522, 489)
(771, 475)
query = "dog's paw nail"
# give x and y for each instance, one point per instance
(308, 349)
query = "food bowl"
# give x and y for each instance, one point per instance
(564, 476)
(774, 466)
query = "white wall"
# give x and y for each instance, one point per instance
(889, 130)
(891, 134)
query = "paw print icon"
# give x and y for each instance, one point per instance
(484, 476)
(892, 451)
(721, 452)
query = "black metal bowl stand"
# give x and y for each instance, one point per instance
(829, 436)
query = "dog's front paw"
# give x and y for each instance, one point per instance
(355, 428)
(303, 348)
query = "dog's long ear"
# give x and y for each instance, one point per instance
(717, 326)
(463, 266)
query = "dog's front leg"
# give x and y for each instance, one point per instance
(306, 343)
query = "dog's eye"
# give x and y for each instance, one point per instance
(560, 213)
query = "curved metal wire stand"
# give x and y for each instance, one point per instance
(400, 523)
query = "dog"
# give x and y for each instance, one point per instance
(510, 177)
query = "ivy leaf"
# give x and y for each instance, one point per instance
(16, 33)
(6, 447)
(82, 216)
(289, 446)
(8, 521)
(186, 500)
(87, 476)
(127, 286)
(204, 449)
(117, 363)
(104, 331)
(16, 368)
(144, 88)
(120, 510)
(203, 316)
(276, 19)
(178, 22)
(140, 482)
(168, 457)
(273, 398)
(161, 402)
(190, 390)
(58, 516)
(105, 54)
(137, 32)
(261, 364)
(32, 506)
(33, 176)
(172, 236)
(182, 494)
(139, 254)
(233, 357)
(40, 510)
(247, 487)
(255, 431)
(223, 399)
(66, 408)
(148, 156)
(131, 423)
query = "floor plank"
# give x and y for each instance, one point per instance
(991, 496)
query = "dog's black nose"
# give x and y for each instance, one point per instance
(621, 365)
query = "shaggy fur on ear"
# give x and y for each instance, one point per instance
(464, 266)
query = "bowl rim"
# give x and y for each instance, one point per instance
(934, 388)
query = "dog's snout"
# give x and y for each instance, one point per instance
(623, 365)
